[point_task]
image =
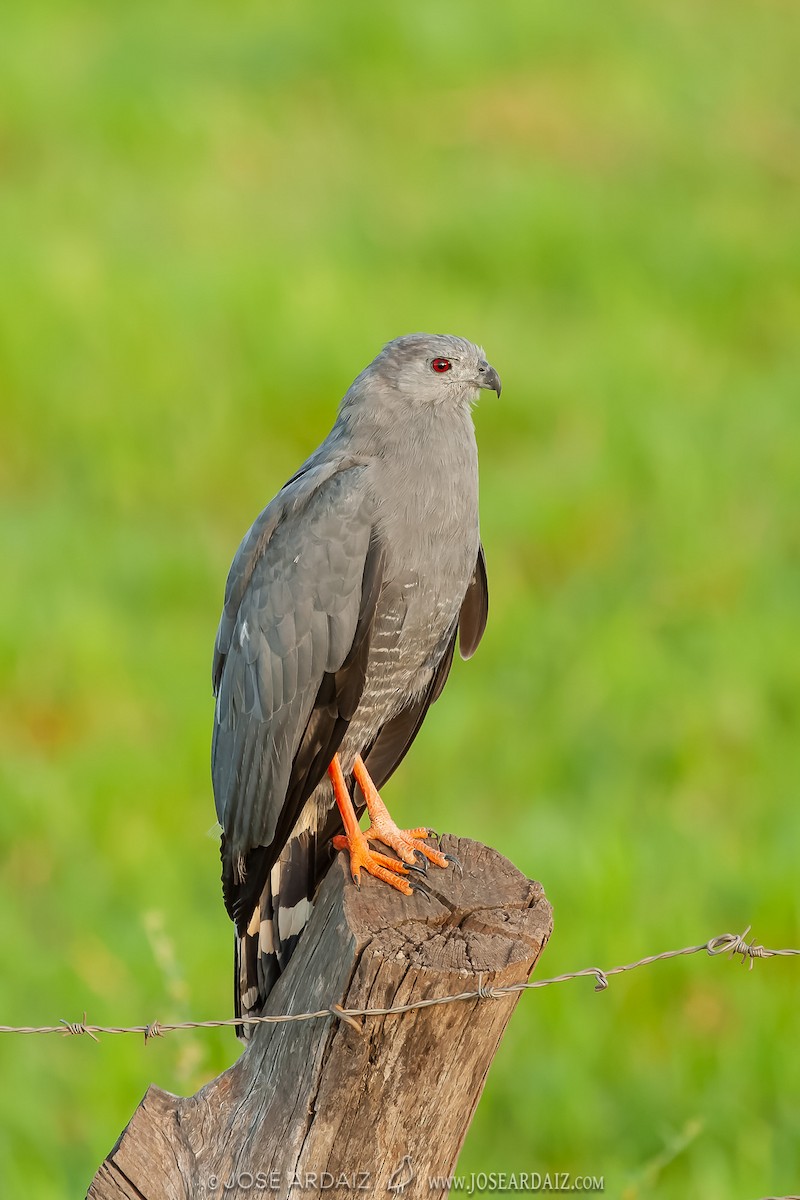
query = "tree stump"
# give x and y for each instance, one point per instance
(371, 1104)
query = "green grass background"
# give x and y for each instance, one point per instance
(211, 217)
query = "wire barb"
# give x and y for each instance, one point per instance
(76, 1027)
(732, 944)
(735, 944)
(486, 993)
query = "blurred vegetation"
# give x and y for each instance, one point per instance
(211, 217)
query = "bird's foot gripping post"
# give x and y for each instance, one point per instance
(413, 852)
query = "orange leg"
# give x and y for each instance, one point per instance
(361, 855)
(406, 843)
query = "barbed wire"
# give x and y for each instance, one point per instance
(732, 944)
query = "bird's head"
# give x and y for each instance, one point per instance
(430, 369)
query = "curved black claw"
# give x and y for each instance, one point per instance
(451, 858)
(422, 863)
(417, 885)
(433, 834)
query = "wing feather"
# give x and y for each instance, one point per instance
(289, 669)
(475, 609)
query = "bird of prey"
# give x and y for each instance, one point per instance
(342, 610)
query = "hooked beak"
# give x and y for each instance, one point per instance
(488, 378)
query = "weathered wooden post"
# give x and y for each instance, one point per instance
(375, 1105)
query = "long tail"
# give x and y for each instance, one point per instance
(281, 915)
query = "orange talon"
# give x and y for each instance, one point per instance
(404, 842)
(379, 865)
(354, 840)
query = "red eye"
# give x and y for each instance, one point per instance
(440, 365)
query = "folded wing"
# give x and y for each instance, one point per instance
(289, 665)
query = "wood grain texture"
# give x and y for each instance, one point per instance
(318, 1100)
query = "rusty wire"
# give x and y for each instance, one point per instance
(732, 944)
